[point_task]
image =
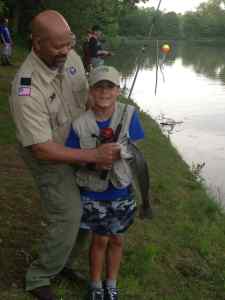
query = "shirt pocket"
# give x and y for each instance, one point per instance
(56, 111)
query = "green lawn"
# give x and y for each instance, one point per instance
(179, 255)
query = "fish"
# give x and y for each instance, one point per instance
(140, 172)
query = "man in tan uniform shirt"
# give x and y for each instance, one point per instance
(47, 93)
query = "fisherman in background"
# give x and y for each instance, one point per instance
(6, 39)
(86, 52)
(96, 51)
(107, 196)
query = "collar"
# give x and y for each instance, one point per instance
(45, 72)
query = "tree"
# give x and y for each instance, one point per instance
(80, 14)
(207, 22)
(1, 7)
(170, 25)
(136, 22)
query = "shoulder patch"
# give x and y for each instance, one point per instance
(24, 91)
(72, 70)
(25, 86)
(25, 81)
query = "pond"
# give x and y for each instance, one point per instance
(189, 95)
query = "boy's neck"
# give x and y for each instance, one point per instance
(102, 114)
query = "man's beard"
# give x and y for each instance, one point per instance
(59, 62)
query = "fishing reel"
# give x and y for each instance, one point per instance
(106, 135)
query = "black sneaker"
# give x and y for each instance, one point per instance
(96, 294)
(111, 294)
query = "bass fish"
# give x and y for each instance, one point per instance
(140, 173)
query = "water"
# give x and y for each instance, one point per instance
(190, 90)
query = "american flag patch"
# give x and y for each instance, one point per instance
(24, 91)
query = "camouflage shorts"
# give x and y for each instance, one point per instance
(108, 217)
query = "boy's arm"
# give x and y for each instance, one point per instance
(73, 142)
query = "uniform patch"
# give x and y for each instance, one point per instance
(72, 70)
(24, 91)
(25, 81)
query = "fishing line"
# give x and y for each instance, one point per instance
(139, 55)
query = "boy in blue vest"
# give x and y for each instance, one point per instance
(106, 191)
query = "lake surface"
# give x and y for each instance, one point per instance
(190, 90)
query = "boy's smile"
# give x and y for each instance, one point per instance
(104, 95)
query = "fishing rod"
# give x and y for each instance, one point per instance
(149, 36)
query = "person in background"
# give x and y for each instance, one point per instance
(86, 52)
(6, 39)
(107, 197)
(97, 53)
(48, 92)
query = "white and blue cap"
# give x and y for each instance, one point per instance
(104, 73)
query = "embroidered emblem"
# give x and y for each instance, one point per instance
(72, 70)
(24, 91)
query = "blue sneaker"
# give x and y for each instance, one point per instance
(111, 294)
(96, 294)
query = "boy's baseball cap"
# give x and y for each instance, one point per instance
(104, 73)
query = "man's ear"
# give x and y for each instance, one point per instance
(36, 43)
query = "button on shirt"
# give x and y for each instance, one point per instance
(44, 101)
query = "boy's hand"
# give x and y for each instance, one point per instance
(106, 154)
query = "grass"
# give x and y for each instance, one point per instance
(178, 255)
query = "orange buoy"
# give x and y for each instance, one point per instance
(165, 48)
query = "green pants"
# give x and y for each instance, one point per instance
(60, 201)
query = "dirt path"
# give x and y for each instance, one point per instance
(19, 219)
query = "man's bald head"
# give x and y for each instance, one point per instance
(51, 37)
(48, 22)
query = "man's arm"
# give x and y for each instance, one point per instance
(54, 152)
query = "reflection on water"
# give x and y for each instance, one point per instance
(190, 90)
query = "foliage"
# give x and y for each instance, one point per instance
(1, 7)
(137, 22)
(122, 17)
(80, 14)
(207, 22)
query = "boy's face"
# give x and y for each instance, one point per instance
(104, 94)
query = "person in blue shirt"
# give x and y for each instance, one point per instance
(107, 194)
(6, 51)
